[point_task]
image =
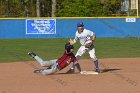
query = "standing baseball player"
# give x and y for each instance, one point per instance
(57, 64)
(86, 39)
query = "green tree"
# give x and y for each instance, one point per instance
(87, 7)
(65, 8)
(113, 5)
(14, 8)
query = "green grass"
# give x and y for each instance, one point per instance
(12, 50)
(118, 47)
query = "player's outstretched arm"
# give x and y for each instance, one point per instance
(94, 37)
(72, 69)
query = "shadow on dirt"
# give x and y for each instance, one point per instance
(72, 72)
(108, 70)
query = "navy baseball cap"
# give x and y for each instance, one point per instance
(80, 24)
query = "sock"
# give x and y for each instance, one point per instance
(73, 66)
(96, 64)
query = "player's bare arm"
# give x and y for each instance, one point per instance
(72, 41)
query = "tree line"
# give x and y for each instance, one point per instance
(59, 8)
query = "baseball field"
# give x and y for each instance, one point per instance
(119, 62)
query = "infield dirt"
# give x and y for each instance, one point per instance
(118, 75)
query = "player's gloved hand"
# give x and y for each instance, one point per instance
(70, 71)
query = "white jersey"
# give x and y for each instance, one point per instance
(84, 36)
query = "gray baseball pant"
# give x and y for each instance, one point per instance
(52, 63)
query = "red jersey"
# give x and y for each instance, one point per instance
(65, 60)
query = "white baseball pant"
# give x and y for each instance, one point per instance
(82, 50)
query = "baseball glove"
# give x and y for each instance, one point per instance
(88, 44)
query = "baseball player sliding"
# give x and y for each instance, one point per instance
(86, 38)
(57, 64)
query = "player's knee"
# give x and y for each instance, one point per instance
(78, 54)
(94, 58)
(78, 57)
(43, 65)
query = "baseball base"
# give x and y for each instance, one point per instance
(88, 72)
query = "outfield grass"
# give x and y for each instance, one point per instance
(12, 50)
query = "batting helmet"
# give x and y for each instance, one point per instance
(68, 46)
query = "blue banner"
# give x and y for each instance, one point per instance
(41, 26)
(66, 28)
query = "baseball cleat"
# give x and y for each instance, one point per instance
(32, 54)
(38, 71)
(97, 70)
